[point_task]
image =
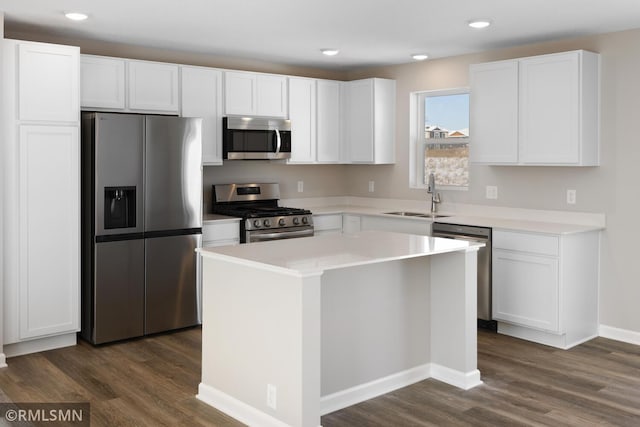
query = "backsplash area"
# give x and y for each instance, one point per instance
(317, 180)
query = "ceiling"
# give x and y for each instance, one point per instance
(367, 32)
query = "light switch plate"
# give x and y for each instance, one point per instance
(300, 186)
(571, 197)
(372, 186)
(491, 192)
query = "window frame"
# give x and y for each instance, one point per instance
(417, 142)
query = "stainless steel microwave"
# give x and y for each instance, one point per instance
(255, 138)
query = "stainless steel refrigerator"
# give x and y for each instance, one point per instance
(141, 224)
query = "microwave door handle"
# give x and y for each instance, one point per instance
(278, 141)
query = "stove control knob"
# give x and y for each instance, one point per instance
(296, 220)
(305, 220)
(267, 223)
(281, 222)
(256, 223)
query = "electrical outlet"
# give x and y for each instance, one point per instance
(571, 197)
(491, 192)
(300, 186)
(372, 187)
(272, 395)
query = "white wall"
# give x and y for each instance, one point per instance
(611, 188)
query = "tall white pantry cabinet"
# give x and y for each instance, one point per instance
(41, 110)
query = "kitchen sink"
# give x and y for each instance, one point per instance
(416, 214)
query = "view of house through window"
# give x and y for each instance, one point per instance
(446, 133)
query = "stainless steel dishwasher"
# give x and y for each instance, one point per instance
(475, 234)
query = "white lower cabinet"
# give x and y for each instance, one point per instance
(351, 223)
(545, 287)
(327, 224)
(49, 268)
(526, 289)
(220, 233)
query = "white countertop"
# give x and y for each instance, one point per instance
(526, 225)
(549, 222)
(312, 255)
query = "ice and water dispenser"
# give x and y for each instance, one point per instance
(119, 207)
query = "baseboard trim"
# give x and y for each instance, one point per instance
(235, 408)
(344, 398)
(455, 378)
(351, 396)
(624, 335)
(40, 344)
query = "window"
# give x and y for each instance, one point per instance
(440, 138)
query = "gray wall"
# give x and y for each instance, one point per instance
(611, 188)
(319, 180)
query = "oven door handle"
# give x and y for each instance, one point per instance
(281, 235)
(278, 141)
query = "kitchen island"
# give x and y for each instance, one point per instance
(294, 329)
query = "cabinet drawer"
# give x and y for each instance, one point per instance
(327, 222)
(223, 231)
(526, 242)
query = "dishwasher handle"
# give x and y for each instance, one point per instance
(461, 237)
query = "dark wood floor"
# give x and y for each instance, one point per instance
(153, 381)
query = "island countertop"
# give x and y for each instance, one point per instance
(312, 255)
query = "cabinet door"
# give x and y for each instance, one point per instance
(549, 109)
(202, 97)
(494, 112)
(272, 97)
(239, 93)
(328, 121)
(102, 82)
(302, 102)
(49, 206)
(526, 289)
(153, 87)
(48, 82)
(351, 224)
(359, 121)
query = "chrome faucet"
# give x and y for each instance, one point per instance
(431, 189)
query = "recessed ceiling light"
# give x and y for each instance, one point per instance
(76, 16)
(479, 23)
(330, 52)
(420, 56)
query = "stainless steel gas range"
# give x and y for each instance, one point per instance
(262, 218)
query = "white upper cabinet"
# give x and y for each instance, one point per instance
(302, 106)
(117, 84)
(102, 82)
(271, 95)
(52, 95)
(202, 97)
(254, 94)
(494, 112)
(541, 110)
(328, 121)
(369, 124)
(559, 120)
(153, 86)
